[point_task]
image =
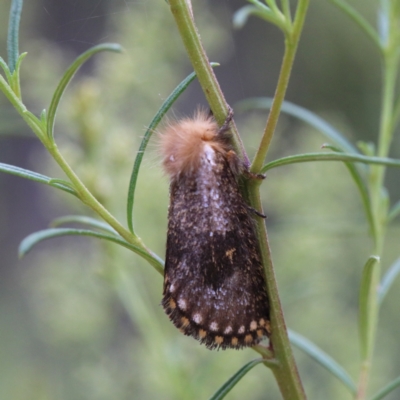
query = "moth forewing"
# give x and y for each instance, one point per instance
(214, 283)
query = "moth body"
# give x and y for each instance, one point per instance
(214, 284)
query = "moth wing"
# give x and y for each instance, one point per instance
(214, 286)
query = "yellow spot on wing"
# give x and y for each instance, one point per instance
(248, 338)
(229, 254)
(202, 333)
(219, 339)
(185, 322)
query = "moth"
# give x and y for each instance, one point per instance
(214, 283)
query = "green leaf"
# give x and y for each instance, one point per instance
(359, 20)
(5, 68)
(367, 148)
(388, 279)
(150, 130)
(368, 299)
(67, 78)
(362, 188)
(387, 389)
(394, 212)
(234, 379)
(33, 122)
(303, 114)
(34, 176)
(307, 157)
(13, 30)
(37, 237)
(15, 80)
(259, 10)
(43, 117)
(81, 219)
(323, 359)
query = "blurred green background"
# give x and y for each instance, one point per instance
(79, 318)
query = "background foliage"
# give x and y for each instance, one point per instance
(80, 319)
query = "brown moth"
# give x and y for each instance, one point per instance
(214, 283)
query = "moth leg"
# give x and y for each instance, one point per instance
(253, 210)
(225, 126)
(252, 175)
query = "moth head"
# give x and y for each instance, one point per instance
(184, 142)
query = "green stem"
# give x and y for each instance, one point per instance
(384, 141)
(291, 44)
(87, 198)
(284, 369)
(377, 176)
(31, 121)
(182, 12)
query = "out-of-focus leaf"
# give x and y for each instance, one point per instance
(362, 188)
(271, 14)
(305, 115)
(84, 220)
(67, 78)
(13, 30)
(368, 305)
(37, 237)
(359, 20)
(345, 157)
(323, 359)
(387, 389)
(394, 211)
(234, 379)
(388, 279)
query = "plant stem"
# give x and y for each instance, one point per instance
(87, 198)
(182, 12)
(284, 369)
(291, 43)
(377, 177)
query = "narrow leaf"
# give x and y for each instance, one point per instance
(394, 211)
(368, 313)
(242, 15)
(37, 237)
(234, 379)
(387, 389)
(55, 182)
(13, 30)
(15, 80)
(359, 20)
(67, 78)
(362, 188)
(388, 279)
(84, 220)
(346, 157)
(5, 68)
(34, 176)
(323, 359)
(139, 157)
(305, 115)
(259, 10)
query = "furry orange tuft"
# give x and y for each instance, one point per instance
(183, 142)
